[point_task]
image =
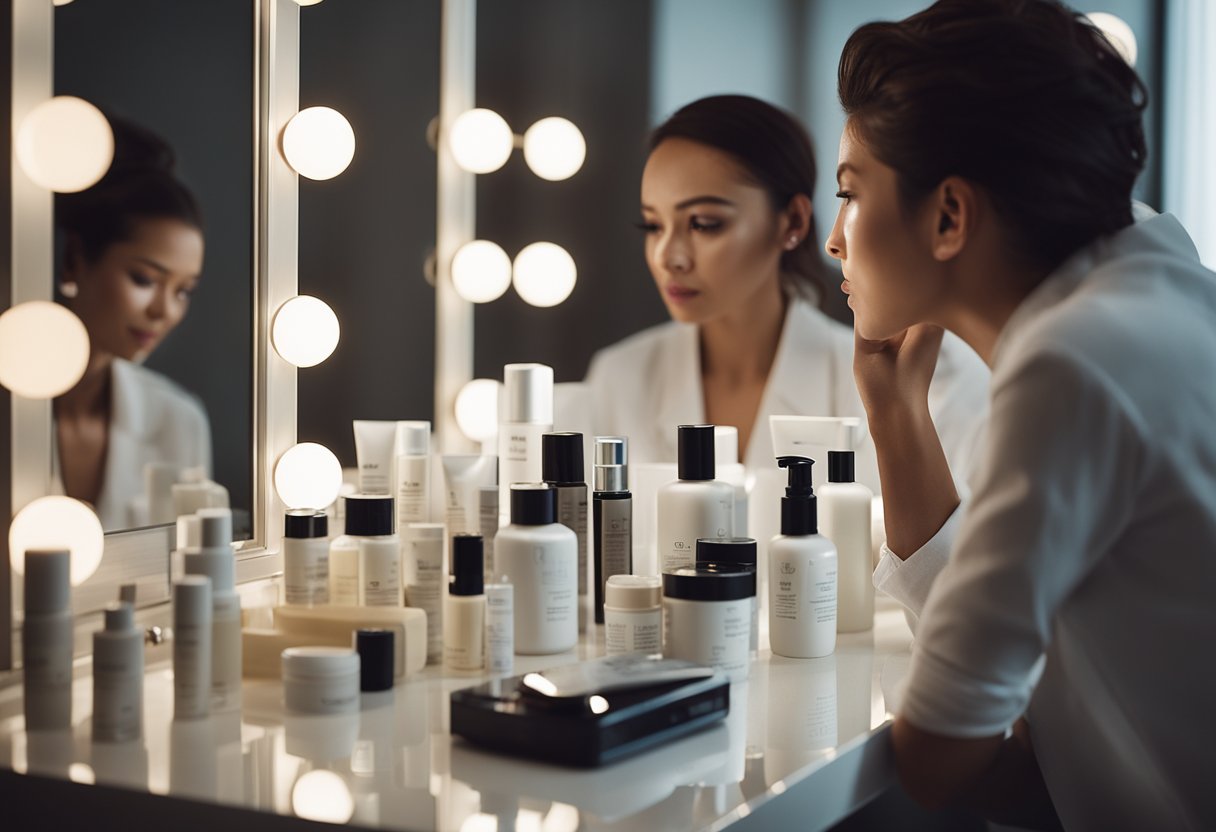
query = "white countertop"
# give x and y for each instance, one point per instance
(805, 740)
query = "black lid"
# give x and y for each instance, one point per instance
(561, 458)
(798, 515)
(709, 582)
(468, 570)
(841, 466)
(533, 504)
(375, 648)
(740, 551)
(305, 523)
(696, 459)
(369, 515)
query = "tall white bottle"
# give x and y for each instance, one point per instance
(464, 607)
(192, 647)
(216, 560)
(844, 519)
(525, 414)
(118, 677)
(696, 505)
(46, 640)
(413, 474)
(802, 573)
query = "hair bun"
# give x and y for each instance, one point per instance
(138, 150)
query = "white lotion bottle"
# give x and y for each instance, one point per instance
(426, 575)
(413, 473)
(696, 505)
(306, 557)
(192, 647)
(802, 573)
(539, 556)
(216, 560)
(379, 555)
(500, 628)
(844, 518)
(525, 415)
(118, 677)
(46, 640)
(562, 468)
(464, 607)
(365, 516)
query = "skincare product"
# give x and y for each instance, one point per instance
(463, 477)
(412, 487)
(118, 677)
(488, 515)
(367, 515)
(707, 616)
(739, 552)
(802, 573)
(562, 466)
(465, 606)
(426, 576)
(332, 622)
(728, 469)
(375, 648)
(525, 414)
(374, 447)
(46, 640)
(195, 492)
(189, 538)
(696, 505)
(612, 510)
(321, 680)
(216, 560)
(500, 628)
(192, 647)
(633, 614)
(306, 557)
(811, 437)
(380, 559)
(844, 519)
(539, 557)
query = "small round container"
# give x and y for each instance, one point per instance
(321, 680)
(633, 614)
(708, 613)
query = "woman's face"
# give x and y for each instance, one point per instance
(139, 289)
(713, 239)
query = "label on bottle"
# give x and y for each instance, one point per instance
(572, 513)
(380, 572)
(500, 628)
(306, 571)
(425, 578)
(413, 490)
(488, 523)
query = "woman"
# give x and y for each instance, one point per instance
(132, 256)
(986, 171)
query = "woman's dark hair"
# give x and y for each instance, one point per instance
(1024, 98)
(774, 150)
(139, 185)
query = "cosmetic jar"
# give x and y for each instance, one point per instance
(633, 614)
(741, 553)
(707, 616)
(321, 680)
(376, 650)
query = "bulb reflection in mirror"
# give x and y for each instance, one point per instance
(481, 141)
(1118, 32)
(305, 331)
(322, 796)
(65, 144)
(477, 409)
(544, 274)
(318, 143)
(58, 523)
(481, 271)
(554, 149)
(308, 475)
(598, 704)
(44, 349)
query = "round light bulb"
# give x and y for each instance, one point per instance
(44, 349)
(481, 141)
(65, 144)
(58, 523)
(322, 796)
(554, 148)
(477, 409)
(318, 143)
(1118, 32)
(544, 274)
(308, 475)
(481, 271)
(305, 331)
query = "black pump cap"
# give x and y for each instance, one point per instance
(561, 458)
(468, 571)
(737, 551)
(533, 504)
(375, 648)
(798, 514)
(303, 523)
(696, 459)
(841, 466)
(369, 515)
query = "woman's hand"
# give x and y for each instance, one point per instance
(896, 373)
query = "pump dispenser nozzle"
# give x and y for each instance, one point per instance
(798, 514)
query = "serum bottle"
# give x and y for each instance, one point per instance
(306, 557)
(413, 473)
(612, 515)
(46, 640)
(118, 677)
(192, 647)
(844, 512)
(526, 414)
(216, 560)
(464, 607)
(562, 467)
(696, 505)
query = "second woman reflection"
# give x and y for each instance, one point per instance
(132, 256)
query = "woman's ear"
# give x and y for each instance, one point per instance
(953, 209)
(796, 221)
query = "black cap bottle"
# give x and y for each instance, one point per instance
(696, 505)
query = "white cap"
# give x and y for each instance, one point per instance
(48, 586)
(634, 592)
(425, 531)
(413, 438)
(120, 617)
(726, 445)
(191, 600)
(189, 532)
(215, 528)
(527, 394)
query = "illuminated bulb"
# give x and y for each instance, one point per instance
(1118, 32)
(481, 271)
(44, 349)
(554, 148)
(318, 143)
(477, 409)
(323, 796)
(58, 523)
(544, 274)
(308, 475)
(305, 331)
(65, 144)
(481, 141)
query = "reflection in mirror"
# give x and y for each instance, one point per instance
(157, 260)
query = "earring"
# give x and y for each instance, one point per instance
(793, 243)
(69, 289)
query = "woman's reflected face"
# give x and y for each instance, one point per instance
(139, 289)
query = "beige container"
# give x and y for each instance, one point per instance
(633, 614)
